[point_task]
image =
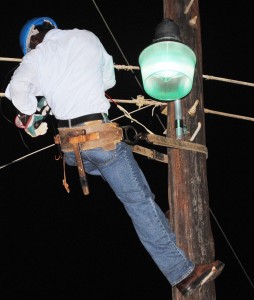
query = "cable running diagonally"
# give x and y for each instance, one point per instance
(117, 44)
(232, 249)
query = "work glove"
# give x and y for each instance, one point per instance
(43, 108)
(34, 126)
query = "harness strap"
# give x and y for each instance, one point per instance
(173, 143)
(152, 154)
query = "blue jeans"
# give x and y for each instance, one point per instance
(120, 169)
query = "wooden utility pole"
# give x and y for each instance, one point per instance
(187, 175)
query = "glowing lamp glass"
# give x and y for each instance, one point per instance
(167, 70)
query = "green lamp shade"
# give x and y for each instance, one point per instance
(167, 70)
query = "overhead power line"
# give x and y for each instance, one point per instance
(131, 68)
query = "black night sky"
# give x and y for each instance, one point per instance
(59, 245)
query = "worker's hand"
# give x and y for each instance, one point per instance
(43, 108)
(35, 126)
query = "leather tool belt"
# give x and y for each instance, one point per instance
(92, 134)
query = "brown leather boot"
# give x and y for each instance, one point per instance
(202, 274)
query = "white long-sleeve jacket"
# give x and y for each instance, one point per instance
(71, 69)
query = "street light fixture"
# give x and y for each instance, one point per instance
(167, 65)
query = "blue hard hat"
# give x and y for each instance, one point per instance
(27, 31)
